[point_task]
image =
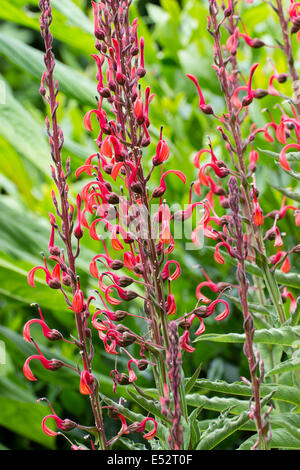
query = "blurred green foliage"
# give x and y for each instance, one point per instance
(176, 43)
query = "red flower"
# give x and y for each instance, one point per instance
(185, 342)
(78, 304)
(52, 364)
(142, 425)
(86, 380)
(205, 108)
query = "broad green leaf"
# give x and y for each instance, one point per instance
(195, 432)
(252, 307)
(227, 427)
(286, 435)
(284, 336)
(217, 403)
(61, 27)
(281, 392)
(295, 196)
(149, 405)
(71, 82)
(285, 366)
(25, 419)
(189, 383)
(16, 121)
(291, 156)
(13, 284)
(224, 427)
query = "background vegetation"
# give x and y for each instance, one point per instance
(176, 43)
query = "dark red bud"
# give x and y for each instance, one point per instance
(282, 77)
(141, 72)
(54, 251)
(67, 280)
(113, 199)
(207, 109)
(117, 264)
(260, 93)
(100, 34)
(257, 43)
(128, 339)
(105, 93)
(120, 315)
(54, 284)
(142, 364)
(131, 295)
(125, 281)
(137, 188)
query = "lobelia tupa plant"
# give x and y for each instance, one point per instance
(135, 227)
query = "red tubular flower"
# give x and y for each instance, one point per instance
(53, 280)
(142, 425)
(282, 156)
(52, 364)
(205, 108)
(50, 334)
(86, 382)
(162, 151)
(258, 217)
(171, 305)
(160, 190)
(132, 375)
(208, 283)
(212, 306)
(62, 424)
(78, 304)
(218, 257)
(185, 340)
(286, 294)
(247, 100)
(166, 272)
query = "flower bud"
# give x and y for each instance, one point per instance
(125, 281)
(54, 284)
(142, 364)
(120, 315)
(128, 339)
(131, 295)
(117, 264)
(54, 251)
(113, 199)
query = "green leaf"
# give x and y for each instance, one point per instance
(217, 403)
(224, 427)
(285, 366)
(16, 121)
(62, 29)
(71, 82)
(192, 380)
(291, 156)
(252, 307)
(281, 392)
(288, 193)
(285, 433)
(195, 432)
(284, 336)
(148, 405)
(25, 419)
